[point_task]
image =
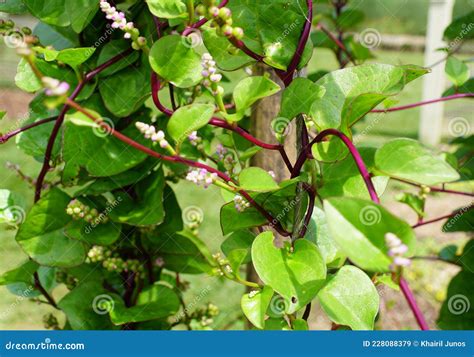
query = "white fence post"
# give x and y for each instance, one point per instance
(431, 121)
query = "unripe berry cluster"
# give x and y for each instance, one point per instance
(424, 191)
(64, 278)
(117, 264)
(221, 19)
(194, 223)
(99, 254)
(396, 250)
(120, 22)
(202, 318)
(224, 266)
(50, 322)
(79, 210)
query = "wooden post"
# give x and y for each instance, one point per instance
(263, 113)
(439, 17)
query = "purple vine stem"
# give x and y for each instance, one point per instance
(413, 305)
(4, 138)
(338, 43)
(156, 86)
(59, 121)
(447, 216)
(373, 195)
(353, 151)
(287, 77)
(419, 104)
(436, 189)
(178, 159)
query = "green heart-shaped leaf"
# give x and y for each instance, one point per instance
(350, 299)
(257, 179)
(255, 304)
(359, 228)
(296, 274)
(407, 159)
(188, 119)
(176, 61)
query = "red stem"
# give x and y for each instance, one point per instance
(447, 216)
(338, 43)
(413, 305)
(155, 89)
(419, 104)
(275, 224)
(352, 149)
(156, 86)
(436, 189)
(312, 197)
(8, 136)
(287, 76)
(59, 121)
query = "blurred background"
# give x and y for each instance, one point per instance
(403, 24)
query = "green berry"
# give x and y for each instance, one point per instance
(227, 30)
(26, 30)
(238, 33)
(201, 9)
(225, 13)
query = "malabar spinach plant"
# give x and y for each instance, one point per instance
(131, 97)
